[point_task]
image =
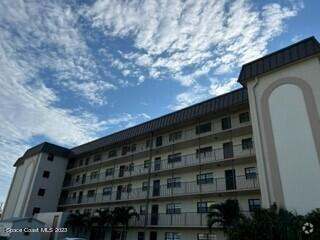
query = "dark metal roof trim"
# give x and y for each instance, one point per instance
(293, 53)
(46, 148)
(212, 105)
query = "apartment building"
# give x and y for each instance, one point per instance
(249, 144)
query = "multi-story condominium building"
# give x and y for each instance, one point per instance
(250, 144)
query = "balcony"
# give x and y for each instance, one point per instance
(210, 186)
(186, 135)
(156, 166)
(185, 219)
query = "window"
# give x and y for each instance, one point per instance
(107, 191)
(35, 210)
(125, 150)
(204, 152)
(205, 178)
(206, 236)
(94, 175)
(143, 209)
(109, 172)
(173, 208)
(74, 195)
(97, 158)
(46, 174)
(50, 157)
(172, 158)
(91, 193)
(253, 204)
(244, 117)
(203, 207)
(202, 128)
(247, 144)
(41, 192)
(148, 143)
(77, 178)
(250, 172)
(144, 186)
(173, 236)
(87, 161)
(131, 167)
(112, 153)
(133, 147)
(129, 187)
(158, 141)
(226, 123)
(80, 162)
(147, 163)
(175, 136)
(174, 182)
(140, 235)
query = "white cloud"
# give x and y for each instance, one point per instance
(193, 95)
(35, 38)
(49, 33)
(140, 80)
(176, 36)
(218, 87)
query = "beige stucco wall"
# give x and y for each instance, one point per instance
(278, 139)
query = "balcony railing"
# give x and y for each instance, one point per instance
(186, 135)
(210, 185)
(216, 155)
(184, 219)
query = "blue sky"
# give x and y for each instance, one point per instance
(72, 71)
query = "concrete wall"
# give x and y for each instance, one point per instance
(20, 188)
(53, 185)
(28, 178)
(285, 107)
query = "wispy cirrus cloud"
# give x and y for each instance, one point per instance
(208, 36)
(43, 52)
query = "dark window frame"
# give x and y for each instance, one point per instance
(252, 205)
(244, 117)
(109, 172)
(141, 236)
(250, 174)
(173, 158)
(41, 192)
(203, 128)
(91, 193)
(159, 141)
(175, 136)
(173, 208)
(107, 191)
(50, 157)
(46, 174)
(205, 178)
(36, 210)
(174, 182)
(247, 143)
(112, 153)
(204, 151)
(144, 187)
(226, 123)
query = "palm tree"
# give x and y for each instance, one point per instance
(122, 215)
(77, 221)
(224, 214)
(100, 220)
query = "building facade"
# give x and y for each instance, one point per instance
(249, 144)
